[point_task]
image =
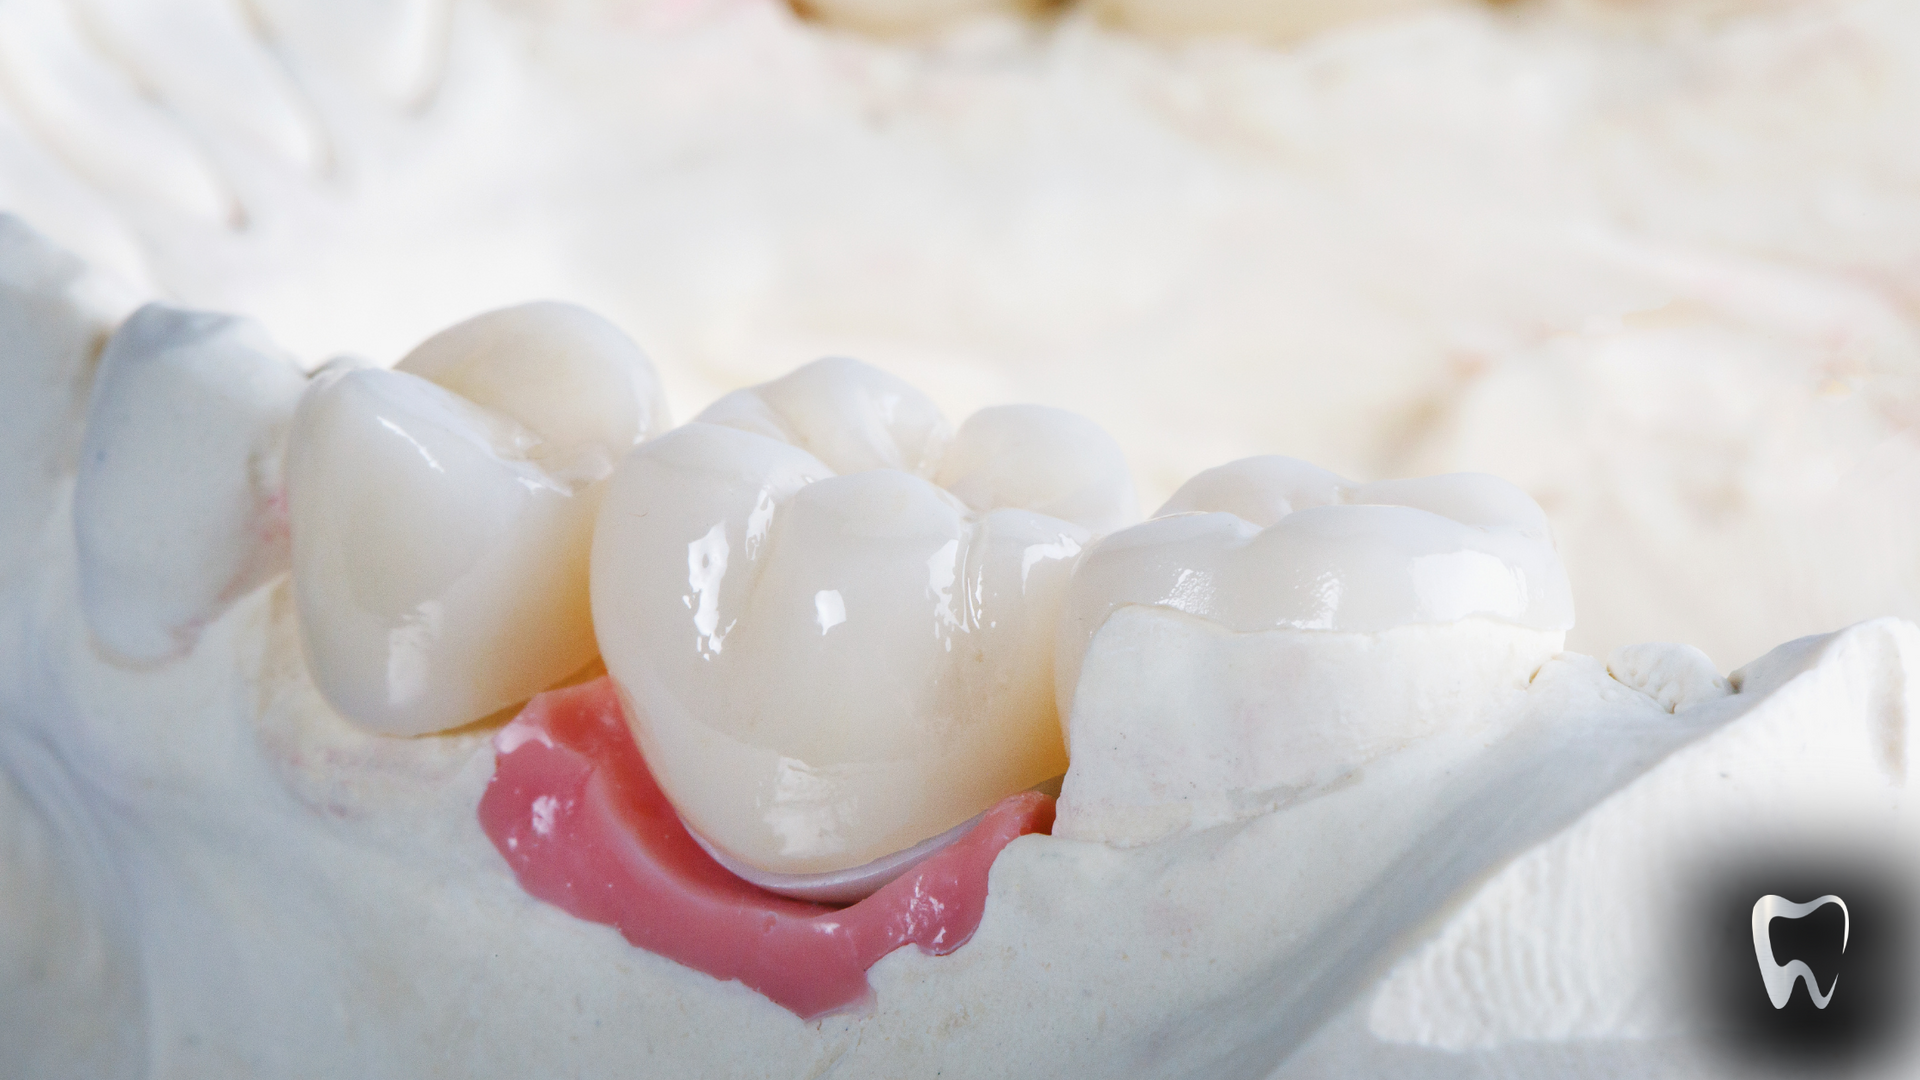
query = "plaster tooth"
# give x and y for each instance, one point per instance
(179, 507)
(1676, 676)
(54, 320)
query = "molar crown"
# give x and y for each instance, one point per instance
(1298, 625)
(442, 513)
(1271, 542)
(178, 505)
(828, 657)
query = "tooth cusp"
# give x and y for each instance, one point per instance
(179, 505)
(1332, 556)
(1047, 460)
(1258, 490)
(563, 373)
(1476, 500)
(850, 415)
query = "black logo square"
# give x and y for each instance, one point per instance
(1840, 920)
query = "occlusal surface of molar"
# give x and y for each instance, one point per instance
(1274, 627)
(827, 657)
(179, 505)
(442, 513)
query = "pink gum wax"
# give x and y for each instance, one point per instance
(575, 811)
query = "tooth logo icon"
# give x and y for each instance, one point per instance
(1778, 977)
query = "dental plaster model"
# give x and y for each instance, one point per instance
(268, 886)
(1574, 286)
(442, 513)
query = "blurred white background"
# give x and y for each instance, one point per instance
(1659, 264)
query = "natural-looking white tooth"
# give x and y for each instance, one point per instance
(1364, 557)
(1258, 490)
(1046, 460)
(440, 541)
(179, 506)
(850, 415)
(569, 376)
(1359, 618)
(824, 670)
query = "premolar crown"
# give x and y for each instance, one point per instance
(827, 656)
(442, 513)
